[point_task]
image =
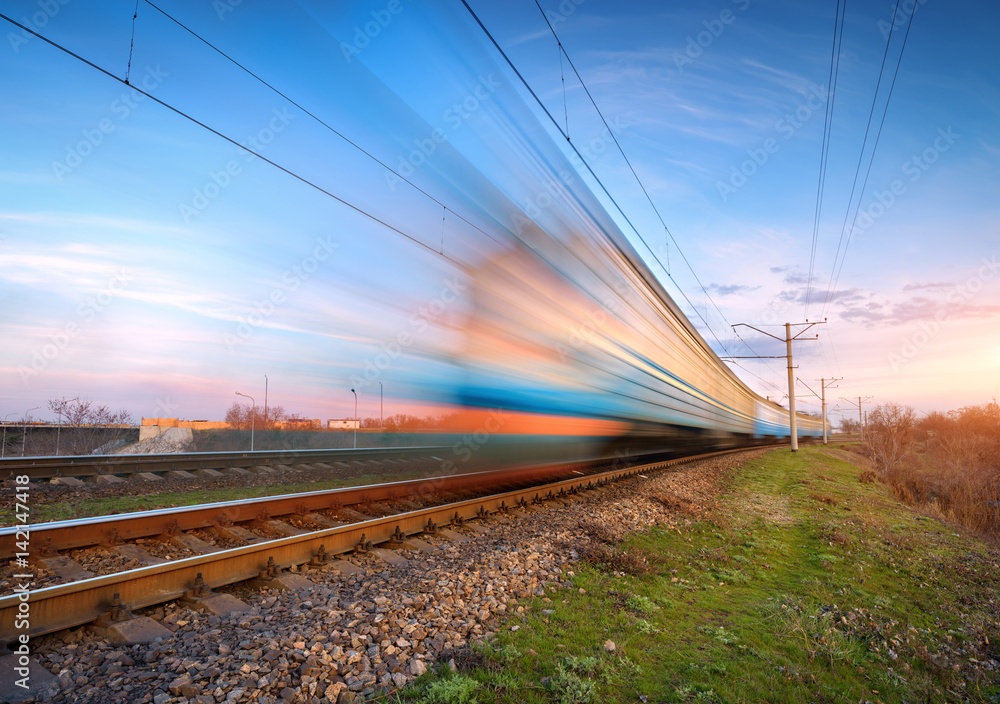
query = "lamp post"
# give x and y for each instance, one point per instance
(3, 448)
(381, 423)
(253, 406)
(59, 427)
(355, 418)
(24, 429)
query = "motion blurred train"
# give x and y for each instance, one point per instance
(574, 350)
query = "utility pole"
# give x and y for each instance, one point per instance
(861, 424)
(788, 339)
(825, 384)
(265, 403)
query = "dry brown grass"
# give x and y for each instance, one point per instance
(673, 502)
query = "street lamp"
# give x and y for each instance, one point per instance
(24, 429)
(355, 418)
(59, 427)
(381, 424)
(253, 406)
(3, 448)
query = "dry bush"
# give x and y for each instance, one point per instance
(960, 478)
(823, 498)
(889, 435)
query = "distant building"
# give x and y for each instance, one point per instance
(343, 423)
(301, 424)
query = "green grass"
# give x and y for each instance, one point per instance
(104, 506)
(804, 586)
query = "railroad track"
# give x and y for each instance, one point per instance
(91, 466)
(80, 602)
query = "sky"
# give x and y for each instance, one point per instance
(162, 256)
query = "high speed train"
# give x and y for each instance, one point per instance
(575, 350)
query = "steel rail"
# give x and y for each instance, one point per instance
(93, 465)
(66, 535)
(67, 605)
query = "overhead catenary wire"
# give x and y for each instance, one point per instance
(666, 268)
(878, 136)
(834, 274)
(131, 46)
(314, 117)
(590, 170)
(232, 141)
(835, 47)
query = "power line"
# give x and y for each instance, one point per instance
(313, 116)
(825, 147)
(878, 135)
(834, 274)
(232, 141)
(583, 84)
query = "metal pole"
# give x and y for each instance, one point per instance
(822, 386)
(381, 423)
(355, 418)
(253, 407)
(265, 402)
(24, 430)
(861, 424)
(3, 447)
(791, 389)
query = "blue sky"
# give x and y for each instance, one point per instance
(151, 264)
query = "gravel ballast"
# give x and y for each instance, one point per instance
(355, 637)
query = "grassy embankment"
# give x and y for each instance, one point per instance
(802, 585)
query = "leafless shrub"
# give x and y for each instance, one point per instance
(889, 435)
(958, 477)
(86, 427)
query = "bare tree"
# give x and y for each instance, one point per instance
(240, 415)
(889, 435)
(86, 427)
(849, 425)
